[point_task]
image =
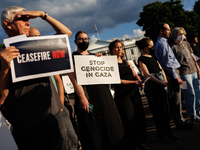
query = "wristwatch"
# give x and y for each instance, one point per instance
(45, 16)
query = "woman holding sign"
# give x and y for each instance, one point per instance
(101, 127)
(128, 99)
(155, 90)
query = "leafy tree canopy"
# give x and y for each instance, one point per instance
(171, 12)
(196, 7)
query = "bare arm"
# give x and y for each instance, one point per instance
(4, 89)
(147, 74)
(131, 81)
(196, 64)
(6, 56)
(57, 25)
(83, 101)
(60, 87)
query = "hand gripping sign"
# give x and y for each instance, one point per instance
(40, 56)
(96, 70)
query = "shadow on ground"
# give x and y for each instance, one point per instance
(189, 140)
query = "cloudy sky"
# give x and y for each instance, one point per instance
(114, 18)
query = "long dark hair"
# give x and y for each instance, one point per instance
(141, 44)
(79, 32)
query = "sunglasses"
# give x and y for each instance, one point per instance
(22, 18)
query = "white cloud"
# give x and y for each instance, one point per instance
(93, 39)
(138, 33)
(82, 14)
(124, 37)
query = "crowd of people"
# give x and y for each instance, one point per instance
(41, 121)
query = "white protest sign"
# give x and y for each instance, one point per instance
(6, 139)
(96, 70)
(184, 85)
(134, 66)
(67, 84)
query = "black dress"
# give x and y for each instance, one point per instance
(102, 128)
(130, 107)
(157, 98)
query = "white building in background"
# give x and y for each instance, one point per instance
(131, 50)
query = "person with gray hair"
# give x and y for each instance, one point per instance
(189, 71)
(171, 67)
(32, 106)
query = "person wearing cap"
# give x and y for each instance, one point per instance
(189, 71)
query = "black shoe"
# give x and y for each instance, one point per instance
(185, 126)
(165, 139)
(173, 137)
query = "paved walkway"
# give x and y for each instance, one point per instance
(189, 140)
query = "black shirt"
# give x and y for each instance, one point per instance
(30, 101)
(195, 50)
(151, 63)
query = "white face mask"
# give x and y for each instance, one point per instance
(181, 37)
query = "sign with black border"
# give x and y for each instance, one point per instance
(40, 56)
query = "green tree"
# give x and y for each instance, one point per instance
(171, 12)
(196, 7)
(197, 11)
(1, 45)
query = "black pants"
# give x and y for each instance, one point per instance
(49, 134)
(174, 95)
(158, 104)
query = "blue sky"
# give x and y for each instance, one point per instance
(114, 18)
(127, 28)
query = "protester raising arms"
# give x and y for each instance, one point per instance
(32, 106)
(155, 90)
(128, 99)
(102, 128)
(189, 71)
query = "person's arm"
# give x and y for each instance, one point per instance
(164, 76)
(83, 101)
(196, 64)
(169, 60)
(147, 74)
(129, 81)
(57, 25)
(60, 88)
(4, 89)
(6, 56)
(134, 74)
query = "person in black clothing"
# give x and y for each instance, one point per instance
(72, 138)
(32, 106)
(155, 90)
(128, 100)
(102, 128)
(195, 47)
